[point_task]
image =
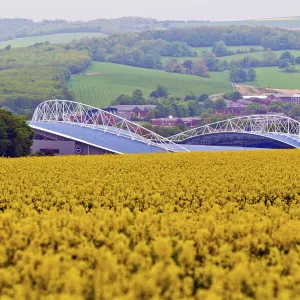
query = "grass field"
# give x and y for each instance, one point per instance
(53, 38)
(111, 80)
(274, 78)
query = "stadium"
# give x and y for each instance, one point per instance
(65, 127)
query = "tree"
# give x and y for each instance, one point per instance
(137, 94)
(255, 108)
(190, 96)
(220, 104)
(283, 64)
(295, 111)
(270, 58)
(194, 107)
(123, 99)
(200, 69)
(173, 66)
(274, 107)
(208, 103)
(220, 49)
(202, 97)
(161, 91)
(287, 55)
(188, 64)
(15, 135)
(237, 75)
(234, 96)
(251, 75)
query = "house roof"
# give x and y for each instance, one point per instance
(187, 119)
(237, 104)
(132, 107)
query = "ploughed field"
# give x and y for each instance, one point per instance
(163, 226)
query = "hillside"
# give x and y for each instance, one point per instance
(31, 75)
(61, 38)
(107, 81)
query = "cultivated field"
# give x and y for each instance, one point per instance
(53, 38)
(107, 81)
(168, 226)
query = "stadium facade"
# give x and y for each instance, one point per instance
(65, 127)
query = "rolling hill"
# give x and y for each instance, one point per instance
(104, 82)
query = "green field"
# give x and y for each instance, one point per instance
(110, 80)
(53, 38)
(274, 78)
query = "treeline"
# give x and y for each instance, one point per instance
(129, 49)
(20, 28)
(146, 49)
(241, 69)
(31, 75)
(273, 38)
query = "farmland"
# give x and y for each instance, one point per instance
(53, 38)
(182, 226)
(107, 81)
(274, 78)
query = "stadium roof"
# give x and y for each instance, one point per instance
(94, 137)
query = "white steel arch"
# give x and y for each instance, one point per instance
(253, 124)
(76, 113)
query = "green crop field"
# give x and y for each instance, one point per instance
(53, 38)
(107, 81)
(274, 78)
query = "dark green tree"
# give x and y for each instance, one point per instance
(237, 75)
(288, 55)
(137, 94)
(160, 92)
(208, 103)
(202, 97)
(251, 75)
(188, 64)
(220, 104)
(15, 135)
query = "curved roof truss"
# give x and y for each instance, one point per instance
(273, 125)
(75, 113)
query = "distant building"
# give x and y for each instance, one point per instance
(189, 122)
(130, 112)
(264, 100)
(235, 108)
(295, 98)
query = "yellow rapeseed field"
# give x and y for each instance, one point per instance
(162, 226)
